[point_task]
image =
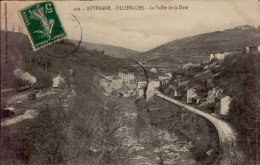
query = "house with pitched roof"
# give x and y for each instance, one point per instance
(125, 91)
(191, 93)
(57, 81)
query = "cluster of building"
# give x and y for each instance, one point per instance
(222, 102)
(151, 88)
(165, 77)
(194, 84)
(123, 84)
(246, 27)
(195, 96)
(222, 55)
(251, 49)
(154, 82)
(126, 84)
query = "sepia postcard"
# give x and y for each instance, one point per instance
(162, 82)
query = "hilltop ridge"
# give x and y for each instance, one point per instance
(42, 63)
(114, 51)
(198, 47)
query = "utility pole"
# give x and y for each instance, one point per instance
(46, 66)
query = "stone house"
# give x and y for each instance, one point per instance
(191, 93)
(152, 86)
(251, 49)
(127, 77)
(140, 93)
(57, 81)
(153, 70)
(223, 105)
(125, 91)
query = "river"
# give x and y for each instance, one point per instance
(149, 145)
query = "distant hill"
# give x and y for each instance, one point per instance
(43, 63)
(197, 48)
(113, 51)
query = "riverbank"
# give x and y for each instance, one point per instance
(193, 128)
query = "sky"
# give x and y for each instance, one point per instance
(146, 29)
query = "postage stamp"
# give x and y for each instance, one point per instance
(42, 23)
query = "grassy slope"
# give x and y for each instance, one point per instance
(200, 46)
(110, 50)
(83, 61)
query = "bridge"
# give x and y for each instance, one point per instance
(231, 154)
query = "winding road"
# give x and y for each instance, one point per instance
(227, 136)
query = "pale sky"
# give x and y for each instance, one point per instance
(146, 29)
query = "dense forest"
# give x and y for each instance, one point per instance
(82, 134)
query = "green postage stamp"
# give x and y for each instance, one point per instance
(42, 23)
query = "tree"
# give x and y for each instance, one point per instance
(46, 134)
(93, 133)
(241, 73)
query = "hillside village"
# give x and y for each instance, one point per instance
(201, 85)
(196, 83)
(193, 83)
(222, 85)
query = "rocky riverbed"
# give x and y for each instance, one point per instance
(150, 145)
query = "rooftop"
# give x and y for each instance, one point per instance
(124, 88)
(116, 77)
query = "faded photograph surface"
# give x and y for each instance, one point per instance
(130, 82)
